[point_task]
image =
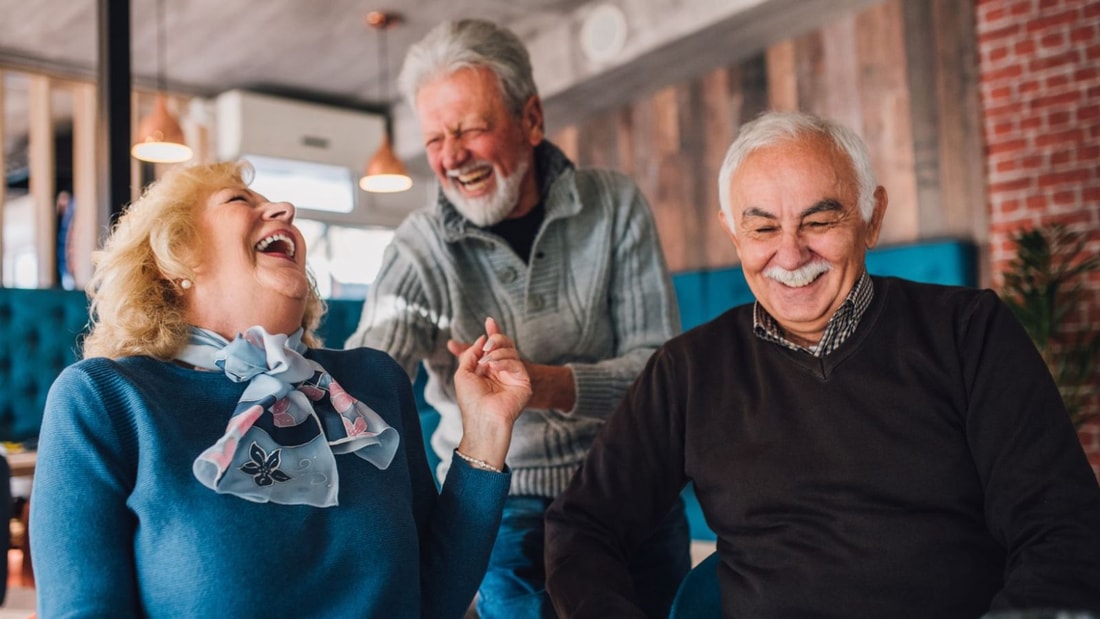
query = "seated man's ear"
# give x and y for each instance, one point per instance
(729, 227)
(532, 120)
(875, 225)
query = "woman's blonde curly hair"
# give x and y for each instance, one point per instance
(136, 301)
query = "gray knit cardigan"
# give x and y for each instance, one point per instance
(596, 296)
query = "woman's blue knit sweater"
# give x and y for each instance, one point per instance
(121, 527)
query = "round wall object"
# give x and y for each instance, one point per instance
(603, 32)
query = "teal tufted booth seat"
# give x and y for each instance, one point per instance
(39, 336)
(39, 331)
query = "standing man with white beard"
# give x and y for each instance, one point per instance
(567, 261)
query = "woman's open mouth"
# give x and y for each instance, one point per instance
(278, 243)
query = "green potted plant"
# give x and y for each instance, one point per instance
(1044, 285)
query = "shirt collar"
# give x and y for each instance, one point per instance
(841, 324)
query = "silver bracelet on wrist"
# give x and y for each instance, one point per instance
(476, 463)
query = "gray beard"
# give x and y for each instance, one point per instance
(489, 210)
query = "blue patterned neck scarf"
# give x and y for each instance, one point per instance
(281, 440)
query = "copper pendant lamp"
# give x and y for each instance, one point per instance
(159, 136)
(384, 173)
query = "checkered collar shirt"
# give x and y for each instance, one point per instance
(841, 325)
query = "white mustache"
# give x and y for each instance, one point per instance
(802, 276)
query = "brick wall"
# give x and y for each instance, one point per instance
(1040, 89)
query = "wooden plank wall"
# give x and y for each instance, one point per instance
(901, 73)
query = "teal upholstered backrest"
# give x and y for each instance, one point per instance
(341, 318)
(39, 331)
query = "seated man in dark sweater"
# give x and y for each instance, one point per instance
(862, 446)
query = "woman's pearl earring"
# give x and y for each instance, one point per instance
(185, 284)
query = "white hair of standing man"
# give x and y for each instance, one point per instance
(771, 128)
(468, 44)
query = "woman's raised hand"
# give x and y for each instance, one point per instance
(492, 387)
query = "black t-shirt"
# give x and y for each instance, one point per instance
(520, 232)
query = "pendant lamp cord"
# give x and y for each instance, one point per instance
(160, 46)
(383, 88)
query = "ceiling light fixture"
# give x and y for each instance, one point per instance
(160, 137)
(603, 33)
(384, 173)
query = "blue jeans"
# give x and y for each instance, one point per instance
(515, 584)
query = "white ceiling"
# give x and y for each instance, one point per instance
(322, 49)
(318, 47)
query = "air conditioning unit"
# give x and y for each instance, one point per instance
(255, 124)
(309, 154)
